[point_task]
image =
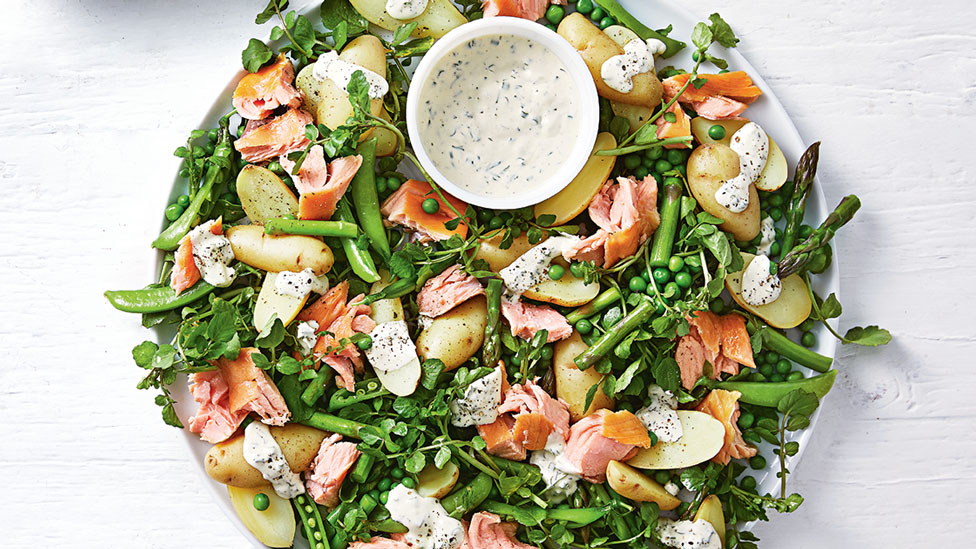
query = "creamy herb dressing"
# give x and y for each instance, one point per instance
(619, 71)
(329, 67)
(405, 9)
(685, 534)
(531, 267)
(307, 335)
(428, 524)
(496, 112)
(768, 232)
(660, 416)
(559, 474)
(262, 452)
(479, 405)
(212, 254)
(752, 145)
(392, 347)
(301, 283)
(759, 287)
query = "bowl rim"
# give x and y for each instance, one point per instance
(589, 109)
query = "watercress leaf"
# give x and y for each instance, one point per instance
(340, 34)
(288, 365)
(416, 462)
(688, 205)
(546, 220)
(647, 134)
(627, 376)
(277, 33)
(255, 55)
(792, 448)
(667, 374)
(143, 353)
(698, 83)
(432, 368)
(333, 12)
(273, 7)
(701, 36)
(721, 31)
(163, 358)
(358, 90)
(402, 32)
(261, 361)
(291, 391)
(831, 307)
(609, 386)
(405, 407)
(442, 457)
(718, 244)
(590, 394)
(871, 336)
(478, 443)
(796, 423)
(304, 33)
(170, 417)
(717, 61)
(693, 479)
(271, 335)
(798, 403)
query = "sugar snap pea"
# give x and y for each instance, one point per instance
(156, 299)
(616, 11)
(363, 191)
(768, 394)
(464, 500)
(359, 258)
(338, 229)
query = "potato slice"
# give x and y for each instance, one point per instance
(572, 200)
(710, 511)
(490, 250)
(708, 167)
(632, 484)
(636, 115)
(276, 253)
(456, 335)
(572, 383)
(702, 437)
(775, 172)
(402, 381)
(275, 526)
(334, 108)
(568, 291)
(437, 20)
(225, 461)
(434, 482)
(789, 310)
(264, 195)
(271, 304)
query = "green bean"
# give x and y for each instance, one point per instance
(338, 229)
(343, 426)
(664, 235)
(359, 258)
(363, 192)
(768, 394)
(156, 300)
(493, 337)
(360, 472)
(398, 288)
(599, 303)
(316, 388)
(616, 11)
(775, 341)
(464, 500)
(317, 531)
(806, 170)
(605, 344)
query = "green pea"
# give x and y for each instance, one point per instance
(409, 482)
(584, 6)
(807, 325)
(380, 184)
(393, 183)
(374, 493)
(597, 14)
(748, 483)
(208, 149)
(776, 200)
(384, 485)
(384, 497)
(484, 216)
(576, 269)
(746, 420)
(777, 378)
(606, 22)
(212, 134)
(808, 340)
(365, 343)
(261, 501)
(775, 248)
(658, 306)
(397, 473)
(767, 370)
(496, 222)
(676, 156)
(783, 366)
(632, 161)
(556, 271)
(654, 153)
(430, 205)
(662, 477)
(546, 352)
(551, 27)
(173, 212)
(716, 132)
(645, 275)
(671, 289)
(716, 306)
(772, 357)
(661, 275)
(776, 214)
(184, 173)
(683, 279)
(183, 200)
(695, 55)
(637, 284)
(662, 166)
(805, 232)
(583, 326)
(641, 173)
(757, 462)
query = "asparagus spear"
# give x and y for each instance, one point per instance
(664, 235)
(796, 260)
(806, 170)
(493, 337)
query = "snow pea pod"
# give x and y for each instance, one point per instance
(463, 500)
(778, 342)
(615, 10)
(157, 299)
(768, 394)
(363, 191)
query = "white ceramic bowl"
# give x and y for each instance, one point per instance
(575, 153)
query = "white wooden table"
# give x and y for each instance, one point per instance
(94, 95)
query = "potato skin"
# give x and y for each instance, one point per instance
(264, 195)
(572, 383)
(596, 47)
(498, 258)
(276, 253)
(437, 20)
(334, 108)
(708, 167)
(457, 335)
(225, 461)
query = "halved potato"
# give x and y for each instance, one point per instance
(568, 291)
(333, 107)
(456, 335)
(621, 34)
(709, 166)
(276, 253)
(402, 381)
(386, 140)
(632, 484)
(271, 304)
(571, 201)
(775, 172)
(702, 437)
(636, 115)
(710, 511)
(434, 482)
(701, 125)
(225, 461)
(309, 85)
(789, 310)
(437, 20)
(264, 195)
(498, 258)
(275, 526)
(572, 383)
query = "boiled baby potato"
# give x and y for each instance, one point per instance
(700, 126)
(632, 484)
(710, 511)
(709, 166)
(702, 437)
(596, 47)
(275, 526)
(386, 140)
(636, 115)
(620, 34)
(310, 87)
(333, 107)
(789, 310)
(437, 482)
(225, 461)
(402, 381)
(775, 172)
(572, 383)
(437, 20)
(568, 291)
(572, 200)
(272, 304)
(264, 195)
(456, 335)
(491, 251)
(276, 253)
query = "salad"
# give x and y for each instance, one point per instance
(379, 364)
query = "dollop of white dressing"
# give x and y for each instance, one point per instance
(619, 71)
(531, 267)
(307, 336)
(558, 473)
(262, 452)
(496, 114)
(479, 405)
(392, 347)
(428, 524)
(656, 47)
(672, 488)
(660, 415)
(768, 232)
(751, 143)
(759, 287)
(301, 283)
(685, 534)
(212, 254)
(405, 9)
(330, 67)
